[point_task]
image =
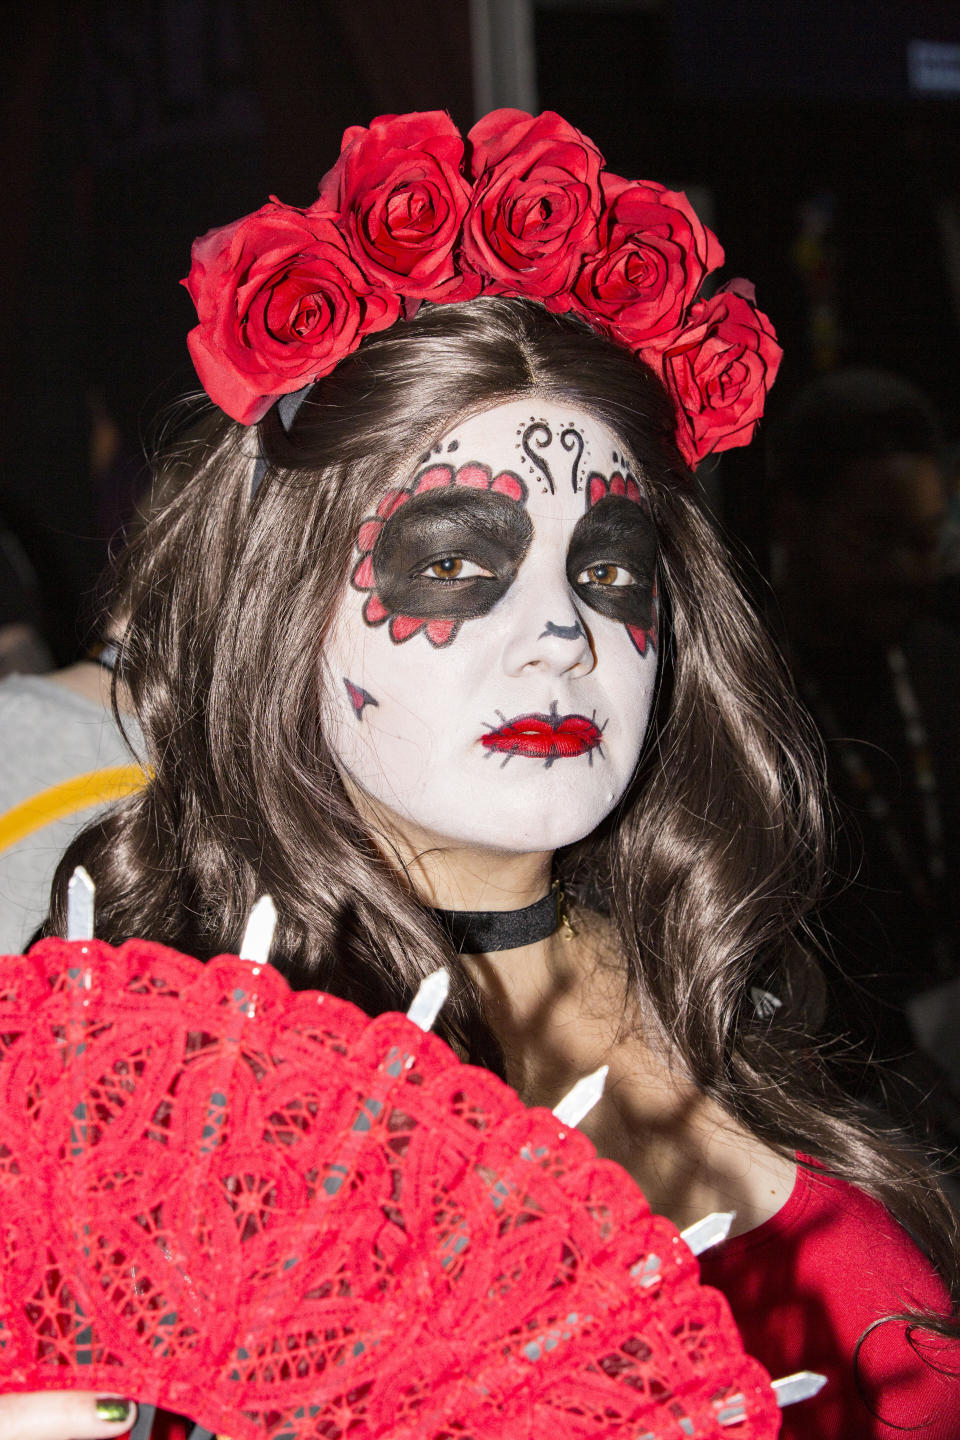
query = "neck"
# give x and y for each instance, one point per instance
(87, 679)
(448, 875)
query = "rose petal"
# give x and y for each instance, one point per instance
(719, 368)
(536, 203)
(399, 187)
(280, 302)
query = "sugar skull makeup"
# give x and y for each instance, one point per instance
(493, 663)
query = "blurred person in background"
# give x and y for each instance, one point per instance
(63, 758)
(22, 647)
(859, 507)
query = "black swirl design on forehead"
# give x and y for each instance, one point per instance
(539, 433)
(539, 436)
(571, 439)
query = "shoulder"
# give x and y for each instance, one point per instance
(49, 733)
(815, 1287)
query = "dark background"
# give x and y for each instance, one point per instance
(131, 127)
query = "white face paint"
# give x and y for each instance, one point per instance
(492, 665)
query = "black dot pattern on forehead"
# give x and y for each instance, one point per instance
(441, 447)
(623, 463)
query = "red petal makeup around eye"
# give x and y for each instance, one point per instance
(640, 637)
(363, 577)
(434, 478)
(439, 632)
(618, 486)
(403, 626)
(597, 489)
(374, 611)
(390, 502)
(510, 485)
(475, 477)
(634, 492)
(367, 534)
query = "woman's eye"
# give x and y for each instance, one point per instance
(453, 567)
(606, 574)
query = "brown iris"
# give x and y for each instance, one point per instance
(607, 575)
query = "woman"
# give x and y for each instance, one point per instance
(451, 628)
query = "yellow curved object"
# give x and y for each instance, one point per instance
(80, 792)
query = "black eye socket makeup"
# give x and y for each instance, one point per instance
(455, 521)
(619, 532)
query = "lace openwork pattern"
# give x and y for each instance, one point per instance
(261, 1209)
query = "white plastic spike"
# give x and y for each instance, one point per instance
(709, 1231)
(800, 1386)
(429, 999)
(80, 893)
(579, 1101)
(258, 936)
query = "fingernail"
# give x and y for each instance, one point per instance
(112, 1410)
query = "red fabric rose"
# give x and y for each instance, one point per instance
(280, 303)
(399, 188)
(654, 255)
(536, 204)
(718, 369)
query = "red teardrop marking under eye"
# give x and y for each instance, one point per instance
(434, 478)
(509, 485)
(363, 577)
(403, 626)
(639, 637)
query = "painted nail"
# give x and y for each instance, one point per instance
(112, 1410)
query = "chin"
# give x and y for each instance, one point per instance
(519, 833)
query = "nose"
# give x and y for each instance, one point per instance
(544, 629)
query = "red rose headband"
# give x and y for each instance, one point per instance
(408, 214)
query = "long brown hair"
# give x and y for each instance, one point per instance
(711, 864)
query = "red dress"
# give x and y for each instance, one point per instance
(807, 1283)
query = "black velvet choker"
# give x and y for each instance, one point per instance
(478, 932)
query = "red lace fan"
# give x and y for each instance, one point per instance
(264, 1210)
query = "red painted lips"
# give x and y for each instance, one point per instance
(545, 737)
